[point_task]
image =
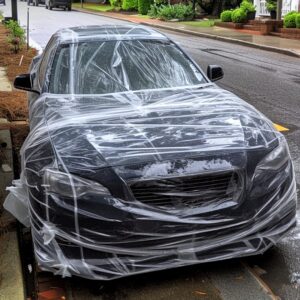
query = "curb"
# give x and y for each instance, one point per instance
(199, 34)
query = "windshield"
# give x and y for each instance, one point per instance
(116, 66)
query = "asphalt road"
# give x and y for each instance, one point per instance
(270, 82)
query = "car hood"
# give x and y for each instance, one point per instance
(88, 132)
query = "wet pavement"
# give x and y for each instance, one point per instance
(269, 81)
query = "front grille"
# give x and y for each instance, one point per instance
(189, 191)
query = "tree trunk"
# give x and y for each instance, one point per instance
(217, 7)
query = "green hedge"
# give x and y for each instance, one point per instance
(298, 20)
(226, 16)
(289, 20)
(168, 12)
(239, 16)
(130, 5)
(144, 6)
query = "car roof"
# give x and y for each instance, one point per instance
(107, 32)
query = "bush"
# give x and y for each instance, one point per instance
(247, 6)
(239, 16)
(226, 16)
(271, 5)
(144, 6)
(16, 36)
(298, 20)
(130, 5)
(177, 11)
(115, 3)
(289, 20)
(153, 11)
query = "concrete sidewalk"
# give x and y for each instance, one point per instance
(242, 37)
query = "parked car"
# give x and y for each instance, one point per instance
(137, 162)
(65, 4)
(2, 2)
(35, 2)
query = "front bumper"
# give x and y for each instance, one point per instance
(172, 243)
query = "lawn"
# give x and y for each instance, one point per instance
(92, 6)
(202, 23)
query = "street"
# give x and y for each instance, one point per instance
(267, 80)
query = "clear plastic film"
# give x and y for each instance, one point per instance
(135, 162)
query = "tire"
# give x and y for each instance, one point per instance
(46, 6)
(50, 7)
(69, 8)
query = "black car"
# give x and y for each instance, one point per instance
(136, 161)
(65, 4)
(35, 2)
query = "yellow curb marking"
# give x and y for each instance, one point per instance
(280, 128)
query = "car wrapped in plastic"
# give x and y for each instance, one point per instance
(136, 161)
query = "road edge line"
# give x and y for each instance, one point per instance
(261, 283)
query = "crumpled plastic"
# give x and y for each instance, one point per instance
(143, 179)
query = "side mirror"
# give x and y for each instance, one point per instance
(214, 72)
(23, 82)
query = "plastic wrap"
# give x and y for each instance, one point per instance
(164, 171)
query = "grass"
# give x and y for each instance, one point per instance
(95, 7)
(202, 23)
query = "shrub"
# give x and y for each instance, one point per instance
(16, 36)
(289, 20)
(115, 3)
(130, 5)
(298, 20)
(239, 16)
(226, 16)
(271, 5)
(153, 11)
(177, 11)
(247, 6)
(144, 6)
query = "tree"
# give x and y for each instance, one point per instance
(215, 7)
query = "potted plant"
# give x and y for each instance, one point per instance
(272, 8)
(249, 8)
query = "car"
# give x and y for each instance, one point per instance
(2, 2)
(136, 161)
(35, 2)
(65, 4)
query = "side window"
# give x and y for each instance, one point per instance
(59, 77)
(44, 63)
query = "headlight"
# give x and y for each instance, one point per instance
(69, 185)
(276, 158)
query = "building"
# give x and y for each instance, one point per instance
(287, 6)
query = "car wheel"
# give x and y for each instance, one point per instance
(46, 6)
(69, 8)
(36, 3)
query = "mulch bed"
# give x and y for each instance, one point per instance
(13, 105)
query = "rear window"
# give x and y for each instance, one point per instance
(117, 66)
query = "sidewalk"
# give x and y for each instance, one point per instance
(242, 37)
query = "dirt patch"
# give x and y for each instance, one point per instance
(13, 105)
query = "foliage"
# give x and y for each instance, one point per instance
(130, 4)
(115, 3)
(289, 20)
(271, 5)
(153, 11)
(16, 36)
(144, 6)
(247, 6)
(226, 16)
(298, 20)
(168, 12)
(215, 7)
(239, 16)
